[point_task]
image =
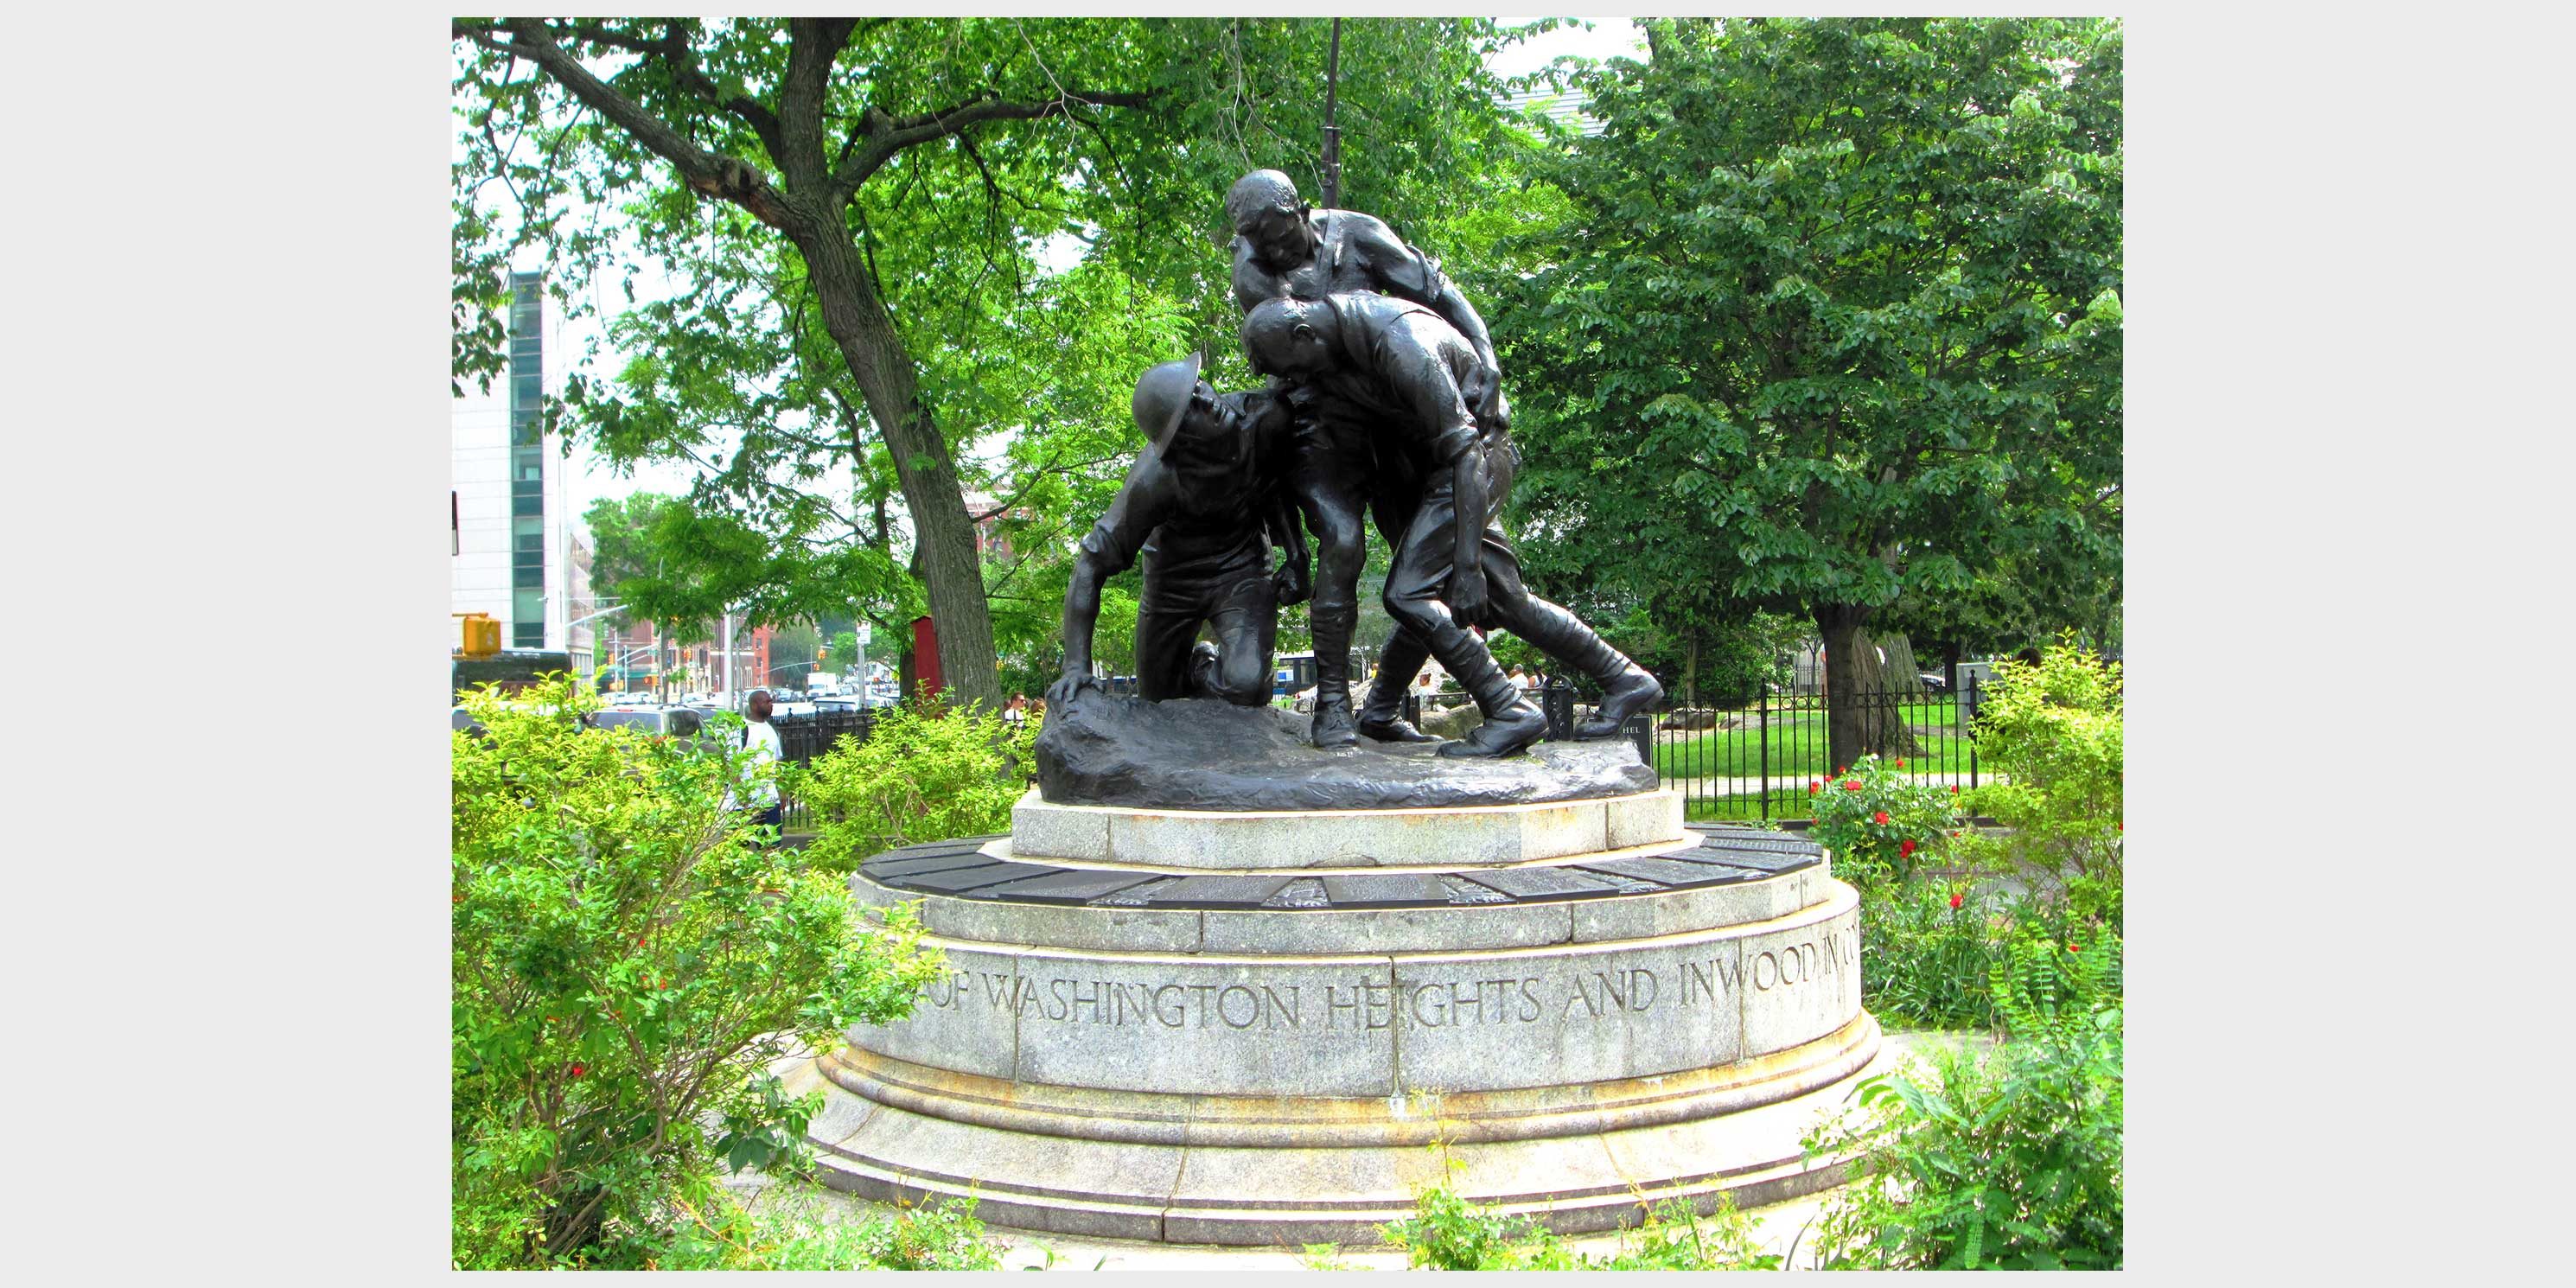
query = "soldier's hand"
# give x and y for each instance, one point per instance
(1060, 694)
(1467, 596)
(1292, 583)
(1482, 391)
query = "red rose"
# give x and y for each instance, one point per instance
(1814, 785)
(1905, 848)
(1879, 818)
(1954, 789)
(1955, 901)
(2073, 949)
(1900, 762)
(578, 1070)
(1852, 786)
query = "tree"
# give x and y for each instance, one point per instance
(1833, 319)
(886, 183)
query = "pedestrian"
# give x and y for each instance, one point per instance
(1015, 712)
(1521, 680)
(761, 746)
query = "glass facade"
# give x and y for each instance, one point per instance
(527, 463)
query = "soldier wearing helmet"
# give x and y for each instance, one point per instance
(1202, 503)
(1286, 249)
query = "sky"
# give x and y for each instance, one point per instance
(589, 477)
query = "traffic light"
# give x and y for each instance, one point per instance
(482, 635)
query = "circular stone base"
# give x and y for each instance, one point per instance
(1258, 1196)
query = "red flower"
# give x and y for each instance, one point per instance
(1954, 789)
(1900, 762)
(578, 1070)
(1814, 785)
(1879, 818)
(1905, 848)
(2119, 827)
(2073, 949)
(1852, 786)
(1955, 901)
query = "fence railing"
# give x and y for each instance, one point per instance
(1749, 762)
(1755, 761)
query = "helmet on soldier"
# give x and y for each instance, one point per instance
(1163, 398)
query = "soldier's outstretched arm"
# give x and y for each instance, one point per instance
(1403, 269)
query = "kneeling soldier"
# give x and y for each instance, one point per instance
(1203, 501)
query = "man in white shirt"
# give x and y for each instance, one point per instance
(760, 741)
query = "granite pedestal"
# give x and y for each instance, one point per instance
(1246, 1027)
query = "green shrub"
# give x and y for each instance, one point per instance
(1878, 822)
(918, 776)
(768, 1235)
(1447, 1232)
(2011, 1161)
(2051, 733)
(1926, 949)
(625, 966)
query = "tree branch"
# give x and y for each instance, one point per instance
(713, 174)
(884, 136)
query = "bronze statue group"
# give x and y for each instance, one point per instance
(1384, 400)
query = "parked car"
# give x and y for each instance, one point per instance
(667, 722)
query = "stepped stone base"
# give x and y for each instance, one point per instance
(1130, 1042)
(1258, 1195)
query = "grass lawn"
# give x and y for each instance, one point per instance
(1797, 745)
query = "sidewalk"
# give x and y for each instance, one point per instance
(1784, 1228)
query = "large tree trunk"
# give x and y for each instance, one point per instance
(952, 575)
(1895, 656)
(1861, 714)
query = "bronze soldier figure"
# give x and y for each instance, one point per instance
(1373, 359)
(1284, 248)
(1203, 502)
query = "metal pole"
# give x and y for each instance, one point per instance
(1764, 724)
(1332, 159)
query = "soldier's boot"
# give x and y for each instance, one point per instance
(1626, 688)
(1333, 624)
(1382, 715)
(1511, 723)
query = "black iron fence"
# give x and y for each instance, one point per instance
(1749, 762)
(1757, 760)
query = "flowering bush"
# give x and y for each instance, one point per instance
(625, 966)
(1875, 819)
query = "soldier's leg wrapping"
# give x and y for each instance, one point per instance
(1332, 501)
(1626, 688)
(1413, 588)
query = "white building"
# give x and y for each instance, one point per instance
(519, 552)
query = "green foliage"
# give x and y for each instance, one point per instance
(918, 776)
(1446, 1232)
(625, 966)
(764, 1235)
(1931, 950)
(2009, 1161)
(1831, 318)
(1927, 949)
(1878, 822)
(2051, 733)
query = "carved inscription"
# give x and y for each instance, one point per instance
(1365, 1002)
